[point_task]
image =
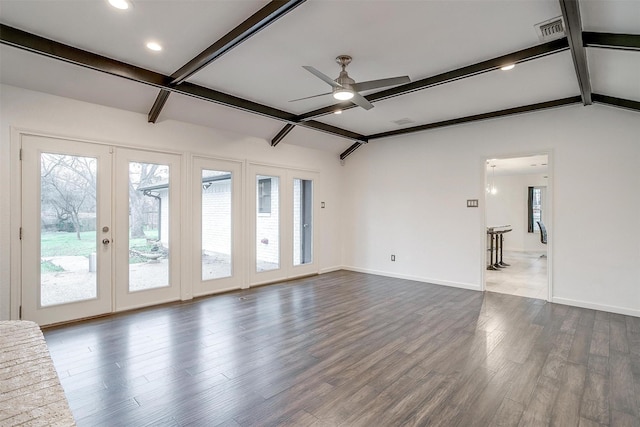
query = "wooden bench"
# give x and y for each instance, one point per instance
(30, 390)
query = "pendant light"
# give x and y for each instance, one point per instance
(491, 188)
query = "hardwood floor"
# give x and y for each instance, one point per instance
(353, 349)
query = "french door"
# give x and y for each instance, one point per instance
(98, 229)
(282, 223)
(217, 219)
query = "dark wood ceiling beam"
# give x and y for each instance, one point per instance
(350, 150)
(266, 16)
(270, 13)
(611, 40)
(323, 127)
(39, 45)
(283, 132)
(30, 42)
(158, 105)
(460, 73)
(573, 29)
(478, 117)
(617, 102)
(467, 119)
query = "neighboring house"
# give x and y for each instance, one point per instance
(216, 214)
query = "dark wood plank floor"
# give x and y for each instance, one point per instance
(353, 349)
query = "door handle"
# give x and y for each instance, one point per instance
(106, 241)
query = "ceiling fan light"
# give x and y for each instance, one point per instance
(343, 94)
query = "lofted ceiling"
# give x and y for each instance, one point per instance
(253, 53)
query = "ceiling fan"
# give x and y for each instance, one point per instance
(345, 88)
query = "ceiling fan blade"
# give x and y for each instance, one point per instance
(309, 97)
(375, 84)
(361, 101)
(321, 76)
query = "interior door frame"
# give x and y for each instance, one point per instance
(548, 216)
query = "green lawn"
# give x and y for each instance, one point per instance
(61, 243)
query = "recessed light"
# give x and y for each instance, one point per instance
(120, 4)
(337, 112)
(154, 46)
(508, 67)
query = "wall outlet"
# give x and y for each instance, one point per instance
(393, 257)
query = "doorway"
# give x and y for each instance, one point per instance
(517, 204)
(99, 229)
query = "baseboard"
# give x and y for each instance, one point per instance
(414, 278)
(331, 269)
(595, 306)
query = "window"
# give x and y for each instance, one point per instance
(534, 208)
(264, 195)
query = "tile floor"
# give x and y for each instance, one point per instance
(526, 276)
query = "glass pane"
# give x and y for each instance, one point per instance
(148, 226)
(216, 224)
(267, 223)
(67, 229)
(537, 206)
(302, 221)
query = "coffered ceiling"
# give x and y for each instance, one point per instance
(253, 53)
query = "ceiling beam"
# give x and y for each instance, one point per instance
(460, 73)
(573, 29)
(350, 150)
(283, 132)
(270, 13)
(23, 40)
(477, 117)
(617, 102)
(42, 46)
(323, 127)
(468, 119)
(611, 40)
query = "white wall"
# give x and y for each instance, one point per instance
(509, 206)
(406, 196)
(35, 111)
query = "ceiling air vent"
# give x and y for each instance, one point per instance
(550, 30)
(402, 122)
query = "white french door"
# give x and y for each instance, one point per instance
(147, 228)
(80, 254)
(217, 219)
(66, 230)
(282, 215)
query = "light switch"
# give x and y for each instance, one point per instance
(472, 203)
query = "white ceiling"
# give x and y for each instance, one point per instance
(385, 37)
(526, 165)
